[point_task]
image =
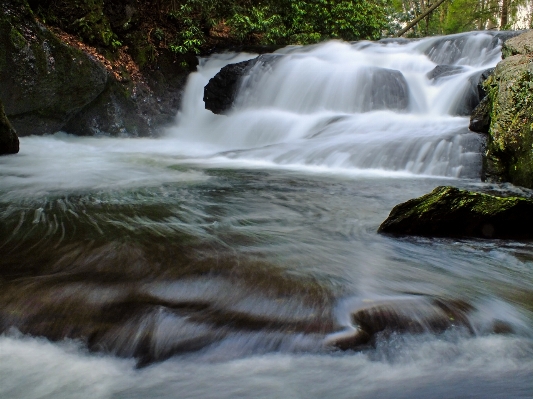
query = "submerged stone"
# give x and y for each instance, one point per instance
(451, 212)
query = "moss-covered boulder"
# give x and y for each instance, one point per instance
(451, 212)
(9, 142)
(43, 82)
(509, 154)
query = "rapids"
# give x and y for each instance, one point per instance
(228, 257)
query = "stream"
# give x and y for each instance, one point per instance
(225, 258)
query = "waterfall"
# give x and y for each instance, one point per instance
(364, 107)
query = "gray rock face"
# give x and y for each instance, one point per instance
(386, 89)
(442, 71)
(43, 82)
(9, 142)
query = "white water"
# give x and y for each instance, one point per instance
(347, 166)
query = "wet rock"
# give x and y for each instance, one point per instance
(414, 315)
(442, 71)
(480, 118)
(386, 89)
(221, 91)
(9, 142)
(473, 94)
(43, 82)
(451, 212)
(509, 157)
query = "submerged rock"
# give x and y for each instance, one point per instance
(386, 89)
(412, 315)
(451, 212)
(9, 142)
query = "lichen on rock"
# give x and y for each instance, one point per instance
(509, 154)
(451, 212)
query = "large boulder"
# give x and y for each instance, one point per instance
(221, 91)
(384, 88)
(451, 212)
(43, 82)
(522, 44)
(9, 142)
(509, 156)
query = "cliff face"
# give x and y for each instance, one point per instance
(509, 155)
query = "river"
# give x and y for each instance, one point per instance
(223, 258)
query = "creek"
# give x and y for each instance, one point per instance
(218, 260)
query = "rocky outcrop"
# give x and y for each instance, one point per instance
(509, 156)
(48, 85)
(43, 82)
(451, 212)
(9, 142)
(221, 91)
(385, 88)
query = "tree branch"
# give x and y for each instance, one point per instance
(420, 17)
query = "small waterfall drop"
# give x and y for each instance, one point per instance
(352, 107)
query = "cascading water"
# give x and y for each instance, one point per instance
(237, 255)
(352, 107)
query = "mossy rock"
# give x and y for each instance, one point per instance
(451, 212)
(9, 142)
(522, 44)
(43, 82)
(509, 154)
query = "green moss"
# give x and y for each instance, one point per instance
(510, 144)
(18, 41)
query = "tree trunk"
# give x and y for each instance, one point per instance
(505, 14)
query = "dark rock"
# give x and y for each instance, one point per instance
(450, 212)
(480, 118)
(386, 89)
(413, 315)
(43, 82)
(442, 71)
(474, 93)
(221, 91)
(9, 142)
(481, 79)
